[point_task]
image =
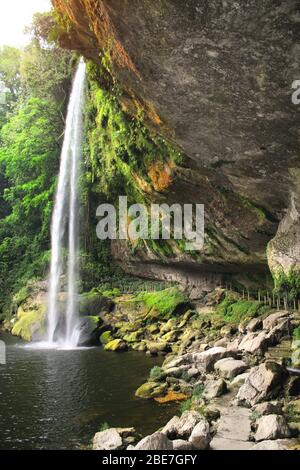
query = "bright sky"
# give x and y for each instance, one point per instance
(15, 15)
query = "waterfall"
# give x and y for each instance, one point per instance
(65, 217)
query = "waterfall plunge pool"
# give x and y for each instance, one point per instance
(58, 399)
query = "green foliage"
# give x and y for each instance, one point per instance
(185, 405)
(296, 334)
(54, 65)
(198, 391)
(39, 79)
(115, 292)
(9, 77)
(29, 156)
(156, 373)
(104, 427)
(234, 312)
(119, 147)
(164, 301)
(288, 283)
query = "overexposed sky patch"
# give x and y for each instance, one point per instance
(15, 15)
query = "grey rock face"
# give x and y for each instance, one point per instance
(172, 54)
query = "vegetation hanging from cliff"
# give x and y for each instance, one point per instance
(124, 157)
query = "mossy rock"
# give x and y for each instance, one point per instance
(116, 345)
(163, 304)
(94, 303)
(140, 347)
(132, 337)
(170, 325)
(151, 390)
(157, 347)
(170, 337)
(30, 325)
(106, 337)
(129, 327)
(152, 329)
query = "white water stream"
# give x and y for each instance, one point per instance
(65, 217)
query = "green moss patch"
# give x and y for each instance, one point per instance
(234, 312)
(165, 302)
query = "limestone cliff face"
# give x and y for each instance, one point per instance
(214, 78)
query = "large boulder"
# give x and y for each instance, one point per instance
(30, 325)
(206, 360)
(156, 441)
(272, 320)
(254, 343)
(268, 408)
(214, 389)
(180, 444)
(107, 440)
(280, 444)
(263, 382)
(200, 436)
(254, 324)
(182, 427)
(151, 390)
(271, 427)
(230, 368)
(89, 330)
(116, 345)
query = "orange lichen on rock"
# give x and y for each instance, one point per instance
(98, 21)
(152, 114)
(171, 396)
(160, 174)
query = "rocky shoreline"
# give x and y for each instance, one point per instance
(230, 363)
(231, 378)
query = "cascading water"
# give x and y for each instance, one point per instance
(65, 213)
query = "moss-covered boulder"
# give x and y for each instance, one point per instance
(151, 390)
(93, 304)
(163, 304)
(156, 347)
(106, 337)
(116, 345)
(140, 346)
(133, 337)
(170, 337)
(30, 324)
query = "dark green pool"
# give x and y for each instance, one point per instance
(59, 399)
